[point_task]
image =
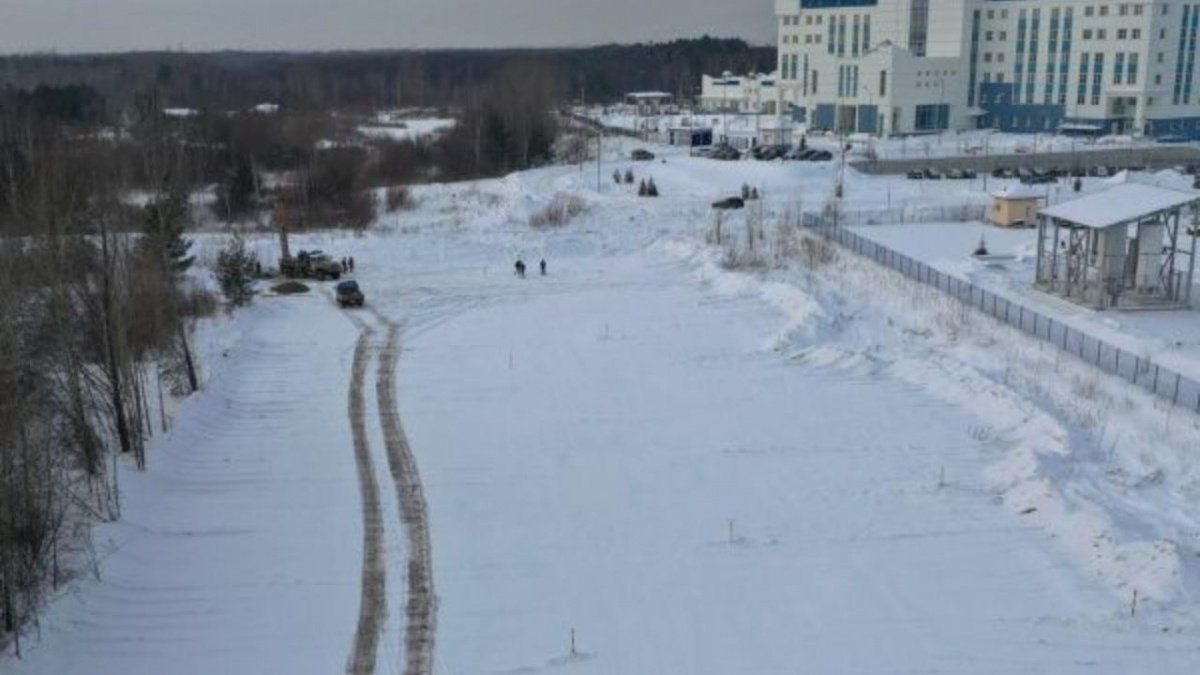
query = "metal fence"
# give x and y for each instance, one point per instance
(912, 213)
(1144, 372)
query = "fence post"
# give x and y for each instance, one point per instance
(1178, 379)
(1155, 388)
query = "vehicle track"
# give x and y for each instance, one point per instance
(421, 610)
(373, 603)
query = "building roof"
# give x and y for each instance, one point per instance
(1119, 204)
(1020, 191)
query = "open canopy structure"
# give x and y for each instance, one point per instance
(1121, 248)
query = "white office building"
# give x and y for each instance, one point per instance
(918, 66)
(749, 94)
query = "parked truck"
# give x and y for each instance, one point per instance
(310, 265)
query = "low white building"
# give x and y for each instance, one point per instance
(748, 94)
(646, 103)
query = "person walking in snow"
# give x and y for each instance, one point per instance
(351, 261)
(543, 266)
(520, 266)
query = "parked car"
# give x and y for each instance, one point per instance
(820, 156)
(930, 174)
(798, 153)
(1003, 173)
(955, 174)
(969, 174)
(767, 153)
(642, 155)
(725, 152)
(703, 151)
(729, 203)
(915, 175)
(350, 295)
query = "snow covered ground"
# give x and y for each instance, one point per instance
(688, 468)
(406, 129)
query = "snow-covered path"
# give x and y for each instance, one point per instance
(628, 461)
(240, 549)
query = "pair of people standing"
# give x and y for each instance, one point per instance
(520, 267)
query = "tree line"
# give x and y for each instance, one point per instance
(382, 79)
(96, 324)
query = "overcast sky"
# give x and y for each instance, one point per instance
(121, 25)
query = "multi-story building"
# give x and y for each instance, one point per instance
(753, 93)
(915, 66)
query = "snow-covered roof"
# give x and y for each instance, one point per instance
(1120, 204)
(1020, 191)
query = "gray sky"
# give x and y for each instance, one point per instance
(120, 25)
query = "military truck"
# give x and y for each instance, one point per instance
(310, 265)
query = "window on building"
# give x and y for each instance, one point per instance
(1135, 33)
(1131, 74)
(1003, 35)
(1122, 33)
(819, 19)
(808, 20)
(987, 57)
(1000, 57)
(1087, 33)
(882, 83)
(1089, 11)
(1123, 10)
(1101, 34)
(988, 36)
(1103, 10)
(1157, 79)
(1119, 68)
(814, 81)
(932, 117)
(991, 14)
(1000, 78)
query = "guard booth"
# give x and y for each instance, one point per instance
(1131, 246)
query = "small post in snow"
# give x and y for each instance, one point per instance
(731, 539)
(942, 478)
(1133, 605)
(574, 651)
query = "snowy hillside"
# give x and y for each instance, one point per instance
(645, 461)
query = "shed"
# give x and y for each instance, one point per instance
(1015, 206)
(690, 137)
(1130, 246)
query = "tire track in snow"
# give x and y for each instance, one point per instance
(373, 603)
(421, 609)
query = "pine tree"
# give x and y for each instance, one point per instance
(642, 188)
(235, 272)
(629, 176)
(651, 189)
(165, 220)
(240, 188)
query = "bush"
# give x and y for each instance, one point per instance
(560, 211)
(399, 199)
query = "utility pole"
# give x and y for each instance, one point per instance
(599, 155)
